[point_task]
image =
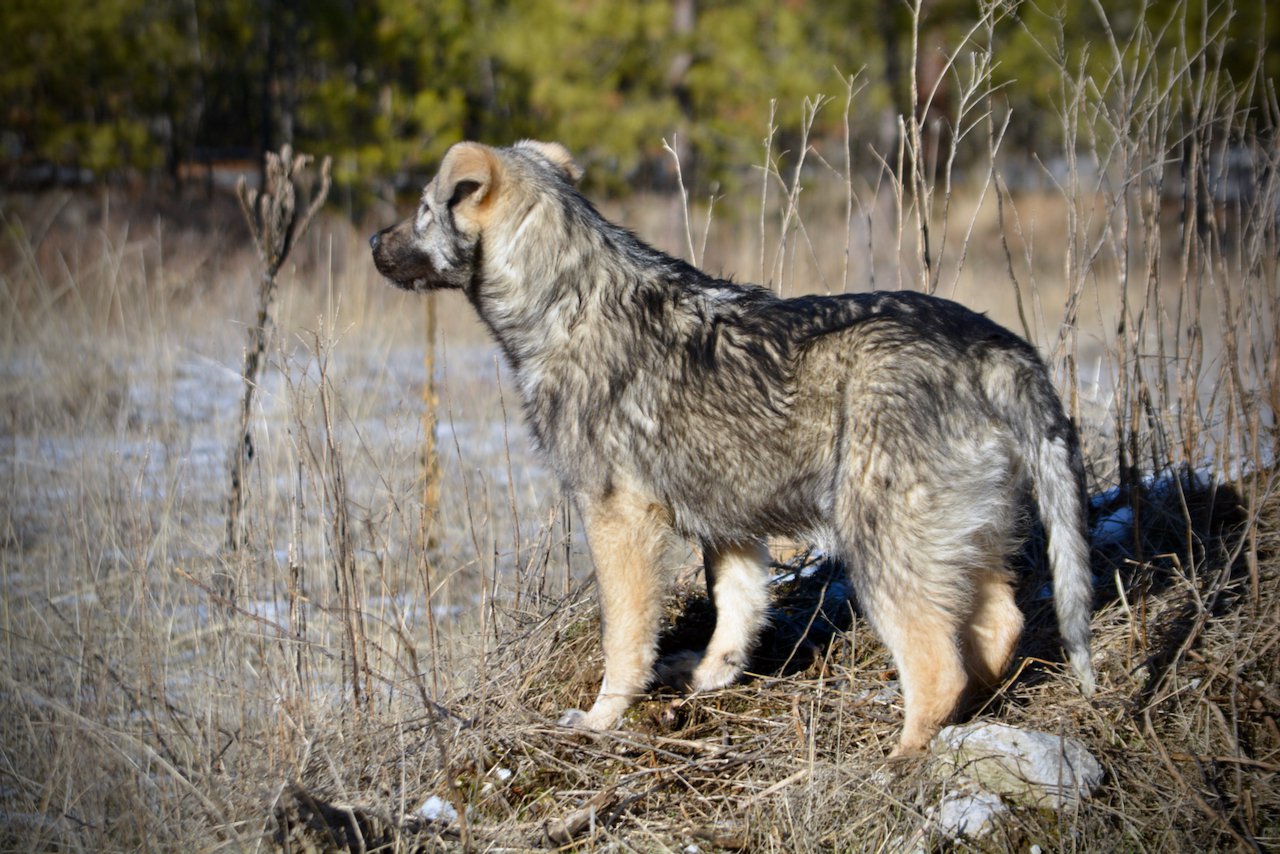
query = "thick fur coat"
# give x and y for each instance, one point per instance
(900, 431)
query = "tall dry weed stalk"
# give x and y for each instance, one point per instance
(275, 225)
(324, 458)
(431, 472)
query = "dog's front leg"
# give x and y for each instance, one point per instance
(627, 534)
(739, 578)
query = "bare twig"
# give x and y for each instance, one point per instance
(672, 149)
(275, 227)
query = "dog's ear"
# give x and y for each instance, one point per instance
(469, 172)
(555, 154)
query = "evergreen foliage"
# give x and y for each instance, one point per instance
(107, 88)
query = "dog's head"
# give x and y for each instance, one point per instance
(476, 186)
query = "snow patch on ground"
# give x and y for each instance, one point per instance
(436, 808)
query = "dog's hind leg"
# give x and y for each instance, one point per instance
(627, 534)
(991, 634)
(922, 639)
(739, 576)
(916, 602)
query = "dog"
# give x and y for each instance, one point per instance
(902, 432)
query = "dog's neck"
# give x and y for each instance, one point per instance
(557, 298)
(539, 280)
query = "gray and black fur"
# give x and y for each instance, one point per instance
(898, 430)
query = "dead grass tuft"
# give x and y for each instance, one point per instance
(793, 757)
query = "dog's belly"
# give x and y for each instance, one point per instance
(730, 517)
(733, 491)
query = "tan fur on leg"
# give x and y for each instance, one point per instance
(991, 634)
(930, 670)
(741, 574)
(627, 534)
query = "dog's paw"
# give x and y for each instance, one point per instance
(718, 671)
(597, 719)
(573, 718)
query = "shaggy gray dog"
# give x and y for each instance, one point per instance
(899, 431)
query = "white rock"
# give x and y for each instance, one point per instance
(1032, 768)
(969, 813)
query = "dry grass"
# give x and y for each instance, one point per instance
(360, 655)
(792, 759)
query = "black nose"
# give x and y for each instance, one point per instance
(374, 238)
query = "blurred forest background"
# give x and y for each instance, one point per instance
(157, 93)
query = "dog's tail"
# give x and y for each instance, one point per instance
(1051, 450)
(1058, 475)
